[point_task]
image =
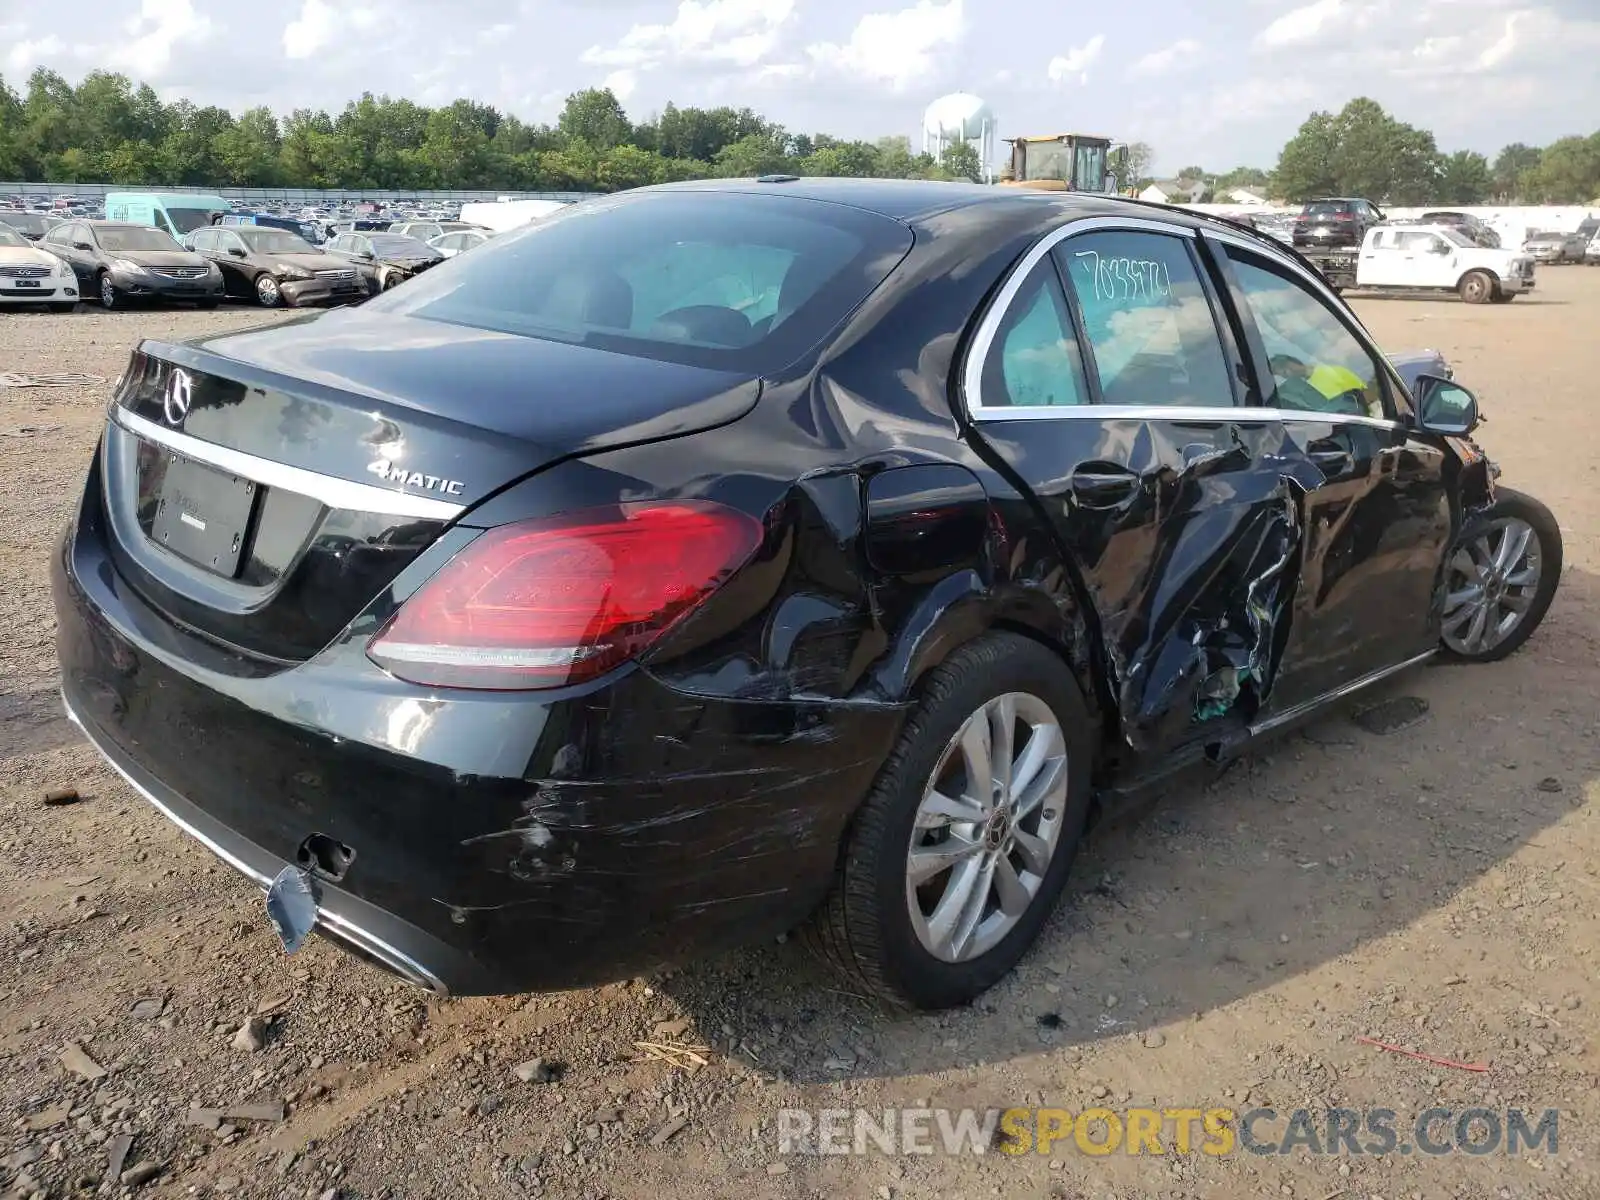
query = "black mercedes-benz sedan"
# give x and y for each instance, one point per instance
(718, 559)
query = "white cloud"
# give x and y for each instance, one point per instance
(742, 32)
(898, 48)
(622, 83)
(26, 55)
(160, 26)
(1075, 63)
(320, 24)
(1168, 59)
(1504, 46)
(1302, 25)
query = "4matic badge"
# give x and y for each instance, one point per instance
(394, 473)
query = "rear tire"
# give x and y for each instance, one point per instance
(1478, 287)
(1506, 563)
(872, 929)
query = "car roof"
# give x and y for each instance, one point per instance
(913, 201)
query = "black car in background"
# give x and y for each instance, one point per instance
(713, 559)
(384, 259)
(1468, 224)
(1335, 222)
(118, 263)
(274, 267)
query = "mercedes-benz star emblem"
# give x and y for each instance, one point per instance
(180, 390)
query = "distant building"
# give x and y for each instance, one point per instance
(1250, 197)
(1174, 191)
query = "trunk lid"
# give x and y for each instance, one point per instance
(264, 487)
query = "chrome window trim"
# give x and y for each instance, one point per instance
(327, 489)
(983, 340)
(989, 327)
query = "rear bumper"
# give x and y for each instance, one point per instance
(503, 844)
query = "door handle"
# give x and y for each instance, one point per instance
(1103, 485)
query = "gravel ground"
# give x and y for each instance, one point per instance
(1434, 888)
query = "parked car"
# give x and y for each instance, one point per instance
(1413, 257)
(712, 559)
(426, 231)
(29, 275)
(275, 267)
(1335, 222)
(119, 262)
(1591, 252)
(1578, 240)
(1470, 225)
(384, 259)
(1548, 247)
(452, 244)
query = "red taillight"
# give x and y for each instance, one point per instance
(549, 602)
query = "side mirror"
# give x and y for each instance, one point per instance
(82, 246)
(237, 251)
(1444, 406)
(1441, 248)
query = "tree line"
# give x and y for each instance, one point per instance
(1361, 150)
(108, 129)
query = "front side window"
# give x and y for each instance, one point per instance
(202, 239)
(1318, 364)
(1033, 361)
(1151, 329)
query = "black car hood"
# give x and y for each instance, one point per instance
(555, 398)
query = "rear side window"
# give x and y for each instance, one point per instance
(1033, 361)
(737, 281)
(1150, 325)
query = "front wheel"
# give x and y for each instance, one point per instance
(1478, 287)
(1501, 578)
(959, 853)
(267, 292)
(110, 297)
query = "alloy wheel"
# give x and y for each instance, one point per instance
(987, 828)
(1492, 582)
(267, 291)
(108, 292)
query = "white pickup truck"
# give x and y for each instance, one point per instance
(1427, 258)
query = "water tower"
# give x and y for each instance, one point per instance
(960, 117)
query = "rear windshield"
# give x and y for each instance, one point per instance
(27, 222)
(735, 281)
(1318, 208)
(136, 239)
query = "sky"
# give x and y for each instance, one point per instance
(1215, 83)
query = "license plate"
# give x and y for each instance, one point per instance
(292, 904)
(21, 283)
(202, 515)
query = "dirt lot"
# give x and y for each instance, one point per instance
(1435, 888)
